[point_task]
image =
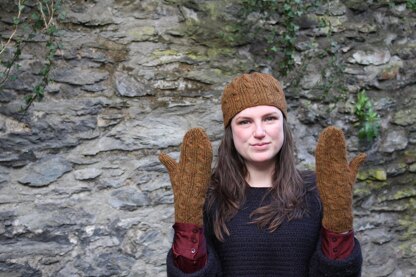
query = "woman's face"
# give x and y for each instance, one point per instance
(258, 134)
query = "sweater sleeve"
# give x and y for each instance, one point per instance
(321, 265)
(337, 246)
(211, 266)
(189, 247)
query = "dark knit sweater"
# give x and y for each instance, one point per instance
(292, 250)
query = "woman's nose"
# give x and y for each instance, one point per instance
(259, 131)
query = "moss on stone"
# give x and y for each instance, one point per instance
(408, 248)
(192, 55)
(162, 53)
(408, 193)
(409, 156)
(215, 52)
(362, 190)
(405, 193)
(142, 33)
(409, 225)
(213, 26)
(377, 174)
(375, 185)
(212, 8)
(404, 179)
(197, 56)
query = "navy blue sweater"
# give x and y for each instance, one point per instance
(294, 249)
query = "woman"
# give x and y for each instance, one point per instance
(257, 215)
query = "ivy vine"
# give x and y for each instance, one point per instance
(282, 41)
(31, 20)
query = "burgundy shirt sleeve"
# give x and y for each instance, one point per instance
(337, 246)
(189, 247)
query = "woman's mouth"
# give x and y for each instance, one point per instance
(260, 145)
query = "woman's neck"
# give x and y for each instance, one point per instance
(259, 176)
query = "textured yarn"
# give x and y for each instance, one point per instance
(249, 90)
(251, 251)
(335, 179)
(190, 176)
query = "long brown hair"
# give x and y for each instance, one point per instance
(227, 190)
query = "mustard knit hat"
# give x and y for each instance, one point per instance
(249, 90)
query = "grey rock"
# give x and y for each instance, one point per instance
(28, 248)
(79, 76)
(383, 265)
(405, 117)
(107, 183)
(140, 134)
(373, 57)
(45, 171)
(356, 5)
(4, 177)
(336, 8)
(94, 88)
(6, 97)
(25, 82)
(310, 80)
(129, 87)
(53, 216)
(142, 242)
(365, 27)
(17, 159)
(394, 140)
(209, 76)
(106, 120)
(97, 14)
(128, 199)
(104, 263)
(379, 236)
(13, 269)
(395, 169)
(87, 173)
(167, 85)
(94, 55)
(405, 50)
(11, 126)
(140, 33)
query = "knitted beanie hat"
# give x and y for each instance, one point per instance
(249, 90)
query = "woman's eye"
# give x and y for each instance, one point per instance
(270, 118)
(243, 122)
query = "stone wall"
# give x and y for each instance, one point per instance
(82, 192)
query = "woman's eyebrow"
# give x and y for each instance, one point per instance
(271, 113)
(251, 116)
(242, 117)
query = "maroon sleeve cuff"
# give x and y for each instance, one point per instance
(189, 247)
(337, 246)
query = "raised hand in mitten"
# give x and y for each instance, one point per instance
(335, 178)
(190, 177)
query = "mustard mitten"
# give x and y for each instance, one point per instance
(190, 177)
(335, 179)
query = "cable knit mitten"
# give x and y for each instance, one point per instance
(335, 178)
(190, 177)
